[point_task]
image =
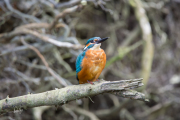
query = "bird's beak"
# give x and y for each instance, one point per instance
(102, 40)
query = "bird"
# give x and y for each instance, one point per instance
(91, 62)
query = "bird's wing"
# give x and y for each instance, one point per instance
(78, 63)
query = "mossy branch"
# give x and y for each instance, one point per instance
(74, 92)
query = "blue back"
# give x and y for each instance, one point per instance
(79, 62)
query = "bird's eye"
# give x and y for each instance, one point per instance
(92, 41)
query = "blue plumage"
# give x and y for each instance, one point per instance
(85, 74)
(79, 61)
(81, 56)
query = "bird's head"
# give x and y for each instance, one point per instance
(94, 43)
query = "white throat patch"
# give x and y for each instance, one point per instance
(96, 47)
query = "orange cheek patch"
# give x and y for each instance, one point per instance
(88, 44)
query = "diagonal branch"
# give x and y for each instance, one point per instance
(51, 71)
(74, 92)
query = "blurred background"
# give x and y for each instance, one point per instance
(41, 39)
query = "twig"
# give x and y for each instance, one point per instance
(125, 114)
(91, 99)
(41, 25)
(62, 14)
(67, 4)
(24, 78)
(19, 48)
(115, 100)
(34, 26)
(52, 72)
(70, 112)
(131, 36)
(106, 9)
(38, 111)
(84, 112)
(70, 93)
(112, 111)
(19, 13)
(156, 110)
(30, 65)
(123, 51)
(155, 5)
(59, 58)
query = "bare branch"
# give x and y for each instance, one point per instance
(44, 38)
(67, 4)
(34, 25)
(21, 14)
(62, 14)
(70, 93)
(84, 112)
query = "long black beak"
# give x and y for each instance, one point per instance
(102, 40)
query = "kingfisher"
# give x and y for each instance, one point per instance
(91, 62)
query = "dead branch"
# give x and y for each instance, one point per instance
(70, 93)
(34, 26)
(36, 34)
(19, 13)
(84, 112)
(67, 4)
(62, 14)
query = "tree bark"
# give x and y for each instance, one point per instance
(70, 93)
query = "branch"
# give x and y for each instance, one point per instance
(62, 14)
(20, 13)
(67, 4)
(84, 112)
(42, 37)
(74, 92)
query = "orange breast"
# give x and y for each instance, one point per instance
(92, 65)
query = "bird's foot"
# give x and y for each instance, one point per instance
(90, 82)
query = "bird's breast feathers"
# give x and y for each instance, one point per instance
(95, 56)
(94, 61)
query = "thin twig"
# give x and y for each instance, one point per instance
(62, 14)
(67, 4)
(84, 112)
(19, 13)
(70, 112)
